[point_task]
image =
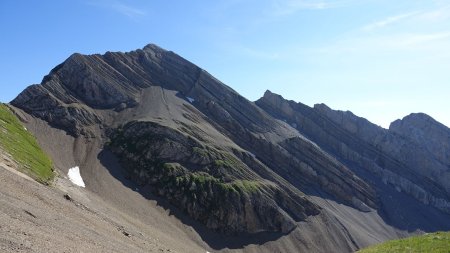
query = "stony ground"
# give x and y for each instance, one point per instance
(62, 218)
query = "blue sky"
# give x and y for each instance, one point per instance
(380, 59)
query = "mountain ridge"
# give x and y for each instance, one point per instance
(374, 138)
(185, 137)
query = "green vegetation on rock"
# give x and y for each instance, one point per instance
(438, 242)
(247, 186)
(23, 147)
(220, 163)
(200, 151)
(204, 181)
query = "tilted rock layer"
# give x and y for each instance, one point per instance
(411, 156)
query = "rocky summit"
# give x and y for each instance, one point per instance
(266, 176)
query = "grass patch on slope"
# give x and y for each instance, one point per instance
(23, 147)
(438, 242)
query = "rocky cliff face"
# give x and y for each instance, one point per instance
(410, 156)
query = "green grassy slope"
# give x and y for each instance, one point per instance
(438, 242)
(23, 147)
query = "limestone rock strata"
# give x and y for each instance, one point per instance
(400, 156)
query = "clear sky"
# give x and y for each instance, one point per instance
(380, 59)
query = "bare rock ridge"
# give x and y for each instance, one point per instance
(238, 167)
(411, 156)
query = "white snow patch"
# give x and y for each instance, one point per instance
(191, 100)
(75, 177)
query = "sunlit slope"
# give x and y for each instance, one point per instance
(438, 242)
(23, 147)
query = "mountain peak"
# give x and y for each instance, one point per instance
(418, 122)
(269, 93)
(415, 119)
(422, 128)
(272, 96)
(153, 47)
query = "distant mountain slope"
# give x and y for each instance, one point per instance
(402, 161)
(166, 128)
